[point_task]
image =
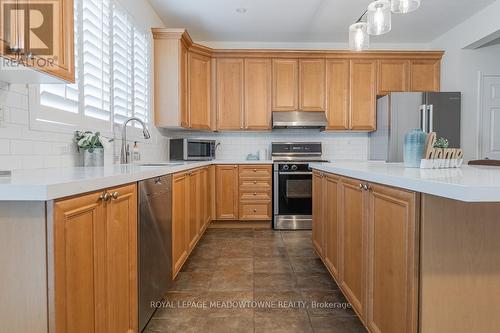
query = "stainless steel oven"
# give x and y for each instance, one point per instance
(292, 183)
(292, 196)
(192, 150)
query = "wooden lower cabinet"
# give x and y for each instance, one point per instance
(392, 260)
(318, 230)
(191, 213)
(368, 238)
(180, 221)
(331, 252)
(353, 243)
(227, 192)
(95, 262)
(255, 192)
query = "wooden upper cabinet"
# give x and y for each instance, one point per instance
(257, 110)
(227, 192)
(199, 91)
(285, 84)
(95, 262)
(393, 76)
(183, 86)
(425, 75)
(353, 245)
(393, 257)
(230, 94)
(363, 95)
(312, 84)
(337, 94)
(318, 213)
(53, 57)
(170, 49)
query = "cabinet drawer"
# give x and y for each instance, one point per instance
(255, 210)
(255, 171)
(258, 194)
(255, 184)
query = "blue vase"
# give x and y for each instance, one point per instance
(415, 141)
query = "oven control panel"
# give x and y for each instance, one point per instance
(293, 167)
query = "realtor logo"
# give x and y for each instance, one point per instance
(28, 32)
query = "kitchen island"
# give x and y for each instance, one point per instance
(413, 250)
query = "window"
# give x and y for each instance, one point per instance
(112, 73)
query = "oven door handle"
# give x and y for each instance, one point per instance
(296, 173)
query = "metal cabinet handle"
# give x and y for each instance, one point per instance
(254, 170)
(255, 210)
(105, 196)
(255, 182)
(235, 166)
(115, 195)
(255, 194)
(361, 186)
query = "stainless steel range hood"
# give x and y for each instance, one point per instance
(300, 119)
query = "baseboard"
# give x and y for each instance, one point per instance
(240, 224)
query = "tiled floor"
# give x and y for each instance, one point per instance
(254, 281)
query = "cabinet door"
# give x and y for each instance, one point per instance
(79, 229)
(393, 75)
(312, 84)
(352, 268)
(331, 221)
(230, 74)
(53, 49)
(121, 260)
(285, 84)
(258, 94)
(337, 94)
(183, 85)
(227, 192)
(180, 220)
(194, 208)
(318, 223)
(199, 92)
(393, 259)
(425, 75)
(363, 95)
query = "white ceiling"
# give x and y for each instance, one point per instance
(302, 21)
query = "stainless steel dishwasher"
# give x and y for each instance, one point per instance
(155, 244)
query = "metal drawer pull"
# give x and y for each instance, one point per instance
(115, 195)
(255, 194)
(255, 210)
(105, 196)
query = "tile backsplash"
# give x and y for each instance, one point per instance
(237, 145)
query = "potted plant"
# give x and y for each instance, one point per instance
(91, 145)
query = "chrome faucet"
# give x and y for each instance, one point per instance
(125, 151)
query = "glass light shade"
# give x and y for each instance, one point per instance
(379, 17)
(404, 6)
(359, 39)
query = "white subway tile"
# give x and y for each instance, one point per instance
(21, 147)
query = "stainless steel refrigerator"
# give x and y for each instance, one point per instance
(398, 113)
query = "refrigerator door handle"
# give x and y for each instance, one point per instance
(431, 117)
(423, 118)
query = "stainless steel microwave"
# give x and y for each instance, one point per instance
(192, 150)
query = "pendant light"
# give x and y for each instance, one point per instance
(359, 39)
(379, 17)
(404, 6)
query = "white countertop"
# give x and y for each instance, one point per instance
(469, 183)
(53, 183)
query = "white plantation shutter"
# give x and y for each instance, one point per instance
(96, 59)
(112, 72)
(122, 66)
(141, 75)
